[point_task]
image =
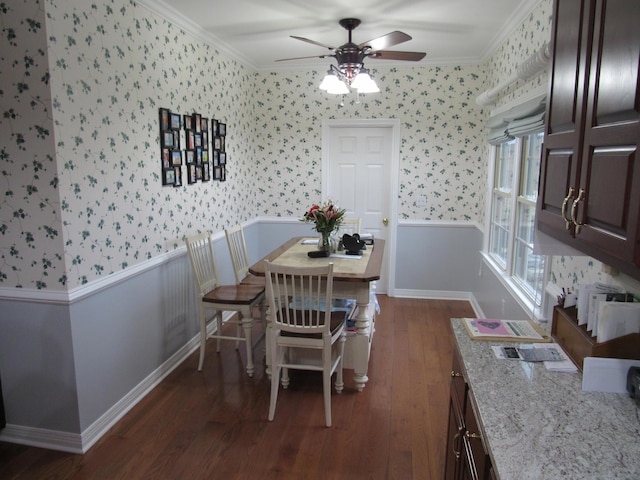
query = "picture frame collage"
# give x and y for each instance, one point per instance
(189, 140)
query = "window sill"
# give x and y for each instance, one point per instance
(514, 289)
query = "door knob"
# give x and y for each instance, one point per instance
(385, 221)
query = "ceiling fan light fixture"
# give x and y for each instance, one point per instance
(364, 83)
(330, 80)
(338, 88)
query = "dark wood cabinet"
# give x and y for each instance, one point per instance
(466, 455)
(589, 193)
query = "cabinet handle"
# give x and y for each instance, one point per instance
(468, 434)
(455, 374)
(455, 437)
(563, 212)
(574, 211)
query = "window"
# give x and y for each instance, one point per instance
(512, 217)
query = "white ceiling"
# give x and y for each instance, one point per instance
(257, 32)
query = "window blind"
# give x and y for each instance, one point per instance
(519, 121)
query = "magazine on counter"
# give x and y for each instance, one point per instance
(507, 330)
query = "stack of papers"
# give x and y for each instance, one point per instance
(550, 354)
(564, 365)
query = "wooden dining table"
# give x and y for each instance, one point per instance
(353, 278)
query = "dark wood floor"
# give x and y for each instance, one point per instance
(213, 424)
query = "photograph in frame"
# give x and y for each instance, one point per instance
(175, 123)
(188, 122)
(168, 176)
(177, 177)
(164, 118)
(191, 173)
(166, 157)
(176, 158)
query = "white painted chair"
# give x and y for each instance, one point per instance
(308, 330)
(240, 257)
(217, 298)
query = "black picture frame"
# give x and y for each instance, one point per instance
(191, 173)
(188, 122)
(190, 156)
(197, 122)
(175, 121)
(223, 159)
(166, 157)
(222, 129)
(206, 172)
(216, 158)
(164, 117)
(168, 176)
(167, 139)
(177, 177)
(176, 158)
(214, 127)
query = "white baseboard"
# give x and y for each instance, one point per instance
(441, 295)
(81, 443)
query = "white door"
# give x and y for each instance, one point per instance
(360, 174)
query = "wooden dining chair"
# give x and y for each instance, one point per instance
(240, 257)
(217, 299)
(302, 336)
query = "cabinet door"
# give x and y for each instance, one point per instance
(457, 401)
(476, 458)
(562, 149)
(609, 206)
(454, 443)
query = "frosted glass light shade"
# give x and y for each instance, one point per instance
(364, 83)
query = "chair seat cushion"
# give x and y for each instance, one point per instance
(338, 320)
(234, 294)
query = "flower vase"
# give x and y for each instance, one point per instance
(324, 242)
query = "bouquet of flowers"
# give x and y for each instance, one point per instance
(327, 217)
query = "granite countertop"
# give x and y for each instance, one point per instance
(541, 425)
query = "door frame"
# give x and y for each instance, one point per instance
(394, 125)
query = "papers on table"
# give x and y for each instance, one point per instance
(344, 255)
(310, 241)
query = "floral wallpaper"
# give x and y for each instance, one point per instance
(82, 84)
(442, 132)
(31, 232)
(91, 202)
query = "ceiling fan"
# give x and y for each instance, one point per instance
(350, 57)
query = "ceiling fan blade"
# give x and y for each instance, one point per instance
(313, 42)
(386, 41)
(391, 55)
(302, 58)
